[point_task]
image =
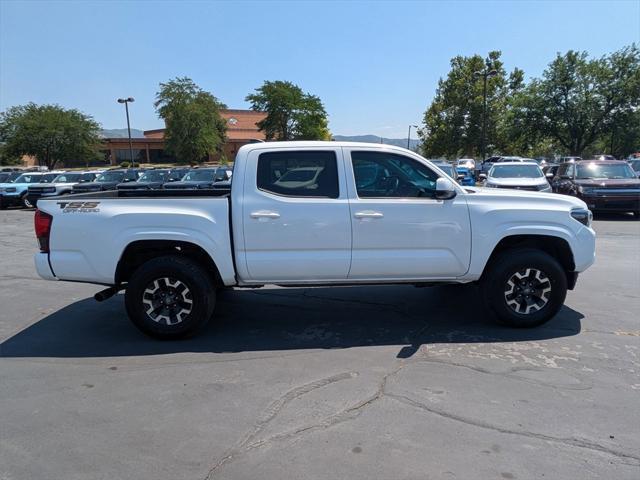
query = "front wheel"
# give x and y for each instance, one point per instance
(524, 287)
(170, 297)
(26, 203)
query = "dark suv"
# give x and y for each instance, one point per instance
(604, 185)
(108, 180)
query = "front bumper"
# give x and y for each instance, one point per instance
(10, 200)
(612, 203)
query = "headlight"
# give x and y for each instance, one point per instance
(544, 187)
(10, 189)
(489, 185)
(582, 215)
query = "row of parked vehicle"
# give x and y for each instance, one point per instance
(603, 183)
(25, 188)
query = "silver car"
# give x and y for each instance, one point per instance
(517, 175)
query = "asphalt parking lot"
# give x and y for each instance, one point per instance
(392, 382)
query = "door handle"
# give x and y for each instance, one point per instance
(265, 214)
(368, 214)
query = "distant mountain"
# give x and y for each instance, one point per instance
(398, 142)
(121, 133)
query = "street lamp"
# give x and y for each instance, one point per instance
(409, 136)
(126, 107)
(486, 73)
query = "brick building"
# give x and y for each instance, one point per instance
(241, 129)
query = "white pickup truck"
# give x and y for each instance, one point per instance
(316, 213)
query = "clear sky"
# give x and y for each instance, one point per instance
(375, 65)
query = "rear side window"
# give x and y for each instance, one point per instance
(299, 174)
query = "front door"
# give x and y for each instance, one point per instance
(400, 231)
(296, 221)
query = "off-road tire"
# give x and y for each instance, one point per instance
(515, 273)
(164, 279)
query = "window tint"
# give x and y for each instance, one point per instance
(380, 174)
(299, 174)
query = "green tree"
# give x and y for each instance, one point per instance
(49, 133)
(291, 113)
(194, 126)
(579, 101)
(453, 121)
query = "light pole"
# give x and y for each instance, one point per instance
(409, 136)
(126, 107)
(486, 73)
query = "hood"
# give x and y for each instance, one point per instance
(608, 182)
(517, 181)
(518, 195)
(178, 185)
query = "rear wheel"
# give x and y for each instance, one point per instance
(524, 287)
(170, 297)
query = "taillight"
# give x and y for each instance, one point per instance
(42, 223)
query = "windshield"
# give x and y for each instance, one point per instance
(67, 178)
(153, 176)
(515, 171)
(199, 176)
(30, 178)
(605, 170)
(110, 177)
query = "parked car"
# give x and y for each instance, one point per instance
(469, 163)
(447, 168)
(194, 179)
(550, 170)
(15, 193)
(108, 180)
(635, 166)
(405, 223)
(465, 177)
(489, 162)
(518, 176)
(604, 185)
(9, 177)
(61, 185)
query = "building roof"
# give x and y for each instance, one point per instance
(241, 125)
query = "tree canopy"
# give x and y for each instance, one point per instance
(579, 100)
(194, 126)
(291, 113)
(579, 105)
(453, 121)
(49, 133)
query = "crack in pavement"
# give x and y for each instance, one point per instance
(573, 442)
(342, 416)
(271, 412)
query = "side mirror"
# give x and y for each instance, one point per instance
(445, 190)
(482, 176)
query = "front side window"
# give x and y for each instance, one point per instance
(299, 174)
(388, 175)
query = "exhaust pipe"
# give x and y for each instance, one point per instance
(107, 293)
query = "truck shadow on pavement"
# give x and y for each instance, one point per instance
(286, 319)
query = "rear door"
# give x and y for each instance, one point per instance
(295, 215)
(400, 231)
